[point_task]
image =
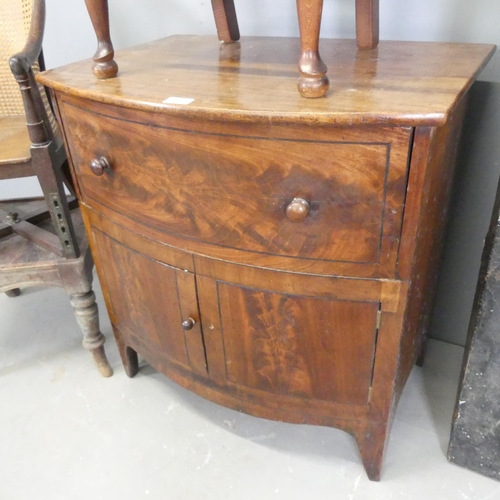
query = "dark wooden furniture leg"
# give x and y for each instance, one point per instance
(372, 440)
(313, 81)
(226, 21)
(129, 357)
(88, 319)
(421, 356)
(367, 23)
(104, 64)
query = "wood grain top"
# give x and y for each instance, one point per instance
(405, 83)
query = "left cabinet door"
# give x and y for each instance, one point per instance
(152, 305)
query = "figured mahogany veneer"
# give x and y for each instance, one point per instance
(234, 191)
(274, 256)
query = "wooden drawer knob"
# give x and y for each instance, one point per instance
(100, 165)
(298, 210)
(188, 324)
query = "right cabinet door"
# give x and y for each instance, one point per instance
(291, 344)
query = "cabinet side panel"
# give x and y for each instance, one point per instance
(435, 153)
(298, 346)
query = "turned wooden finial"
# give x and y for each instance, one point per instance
(104, 65)
(313, 81)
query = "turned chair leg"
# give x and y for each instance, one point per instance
(129, 357)
(226, 20)
(15, 292)
(87, 316)
(104, 64)
(372, 440)
(367, 23)
(313, 81)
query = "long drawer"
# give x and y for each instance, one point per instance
(325, 200)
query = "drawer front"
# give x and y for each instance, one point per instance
(309, 199)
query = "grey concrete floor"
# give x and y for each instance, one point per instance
(66, 433)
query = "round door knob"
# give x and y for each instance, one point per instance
(100, 165)
(297, 210)
(188, 324)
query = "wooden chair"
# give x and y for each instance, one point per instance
(41, 242)
(313, 81)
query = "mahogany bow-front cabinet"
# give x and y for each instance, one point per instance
(271, 253)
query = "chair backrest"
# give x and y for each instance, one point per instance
(15, 21)
(22, 21)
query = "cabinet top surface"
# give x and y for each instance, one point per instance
(403, 83)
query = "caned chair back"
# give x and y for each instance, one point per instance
(15, 22)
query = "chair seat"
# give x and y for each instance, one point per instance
(14, 140)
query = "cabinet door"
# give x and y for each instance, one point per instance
(148, 302)
(293, 345)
